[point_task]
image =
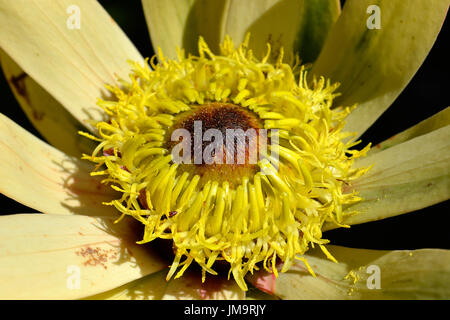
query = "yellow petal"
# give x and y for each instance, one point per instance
(188, 287)
(43, 178)
(435, 122)
(47, 115)
(406, 177)
(174, 23)
(67, 257)
(72, 64)
(298, 26)
(374, 65)
(364, 274)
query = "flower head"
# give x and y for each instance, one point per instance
(243, 213)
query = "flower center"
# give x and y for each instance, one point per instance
(217, 141)
(232, 158)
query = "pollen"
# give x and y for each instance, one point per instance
(268, 208)
(231, 156)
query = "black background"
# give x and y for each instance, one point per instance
(426, 95)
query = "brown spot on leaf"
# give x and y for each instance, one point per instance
(38, 115)
(96, 256)
(18, 82)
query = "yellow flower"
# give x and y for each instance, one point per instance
(69, 73)
(244, 212)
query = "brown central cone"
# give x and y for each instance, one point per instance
(220, 116)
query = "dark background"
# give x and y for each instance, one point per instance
(426, 95)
